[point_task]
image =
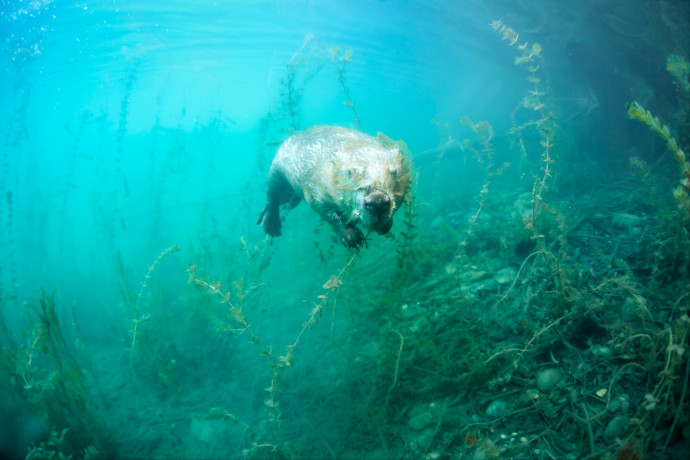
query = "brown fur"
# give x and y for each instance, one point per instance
(347, 176)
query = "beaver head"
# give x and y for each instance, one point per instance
(376, 210)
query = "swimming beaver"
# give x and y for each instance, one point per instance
(346, 176)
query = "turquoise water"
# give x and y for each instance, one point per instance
(530, 301)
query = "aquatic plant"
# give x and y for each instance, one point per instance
(138, 316)
(406, 259)
(10, 244)
(680, 69)
(122, 128)
(15, 135)
(302, 66)
(545, 125)
(69, 185)
(563, 315)
(535, 100)
(155, 180)
(485, 158)
(682, 192)
(234, 312)
(54, 449)
(447, 144)
(46, 372)
(268, 442)
(339, 62)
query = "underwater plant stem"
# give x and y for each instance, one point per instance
(679, 408)
(406, 252)
(330, 449)
(339, 63)
(439, 422)
(397, 366)
(279, 364)
(332, 284)
(677, 302)
(590, 436)
(349, 102)
(682, 192)
(335, 301)
(497, 354)
(544, 330)
(608, 392)
(475, 218)
(642, 336)
(151, 269)
(39, 334)
(517, 276)
(144, 285)
(485, 133)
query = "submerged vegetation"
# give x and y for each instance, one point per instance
(536, 322)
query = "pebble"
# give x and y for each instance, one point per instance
(601, 350)
(616, 427)
(421, 421)
(548, 379)
(497, 408)
(505, 276)
(629, 310)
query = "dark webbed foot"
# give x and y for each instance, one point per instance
(269, 219)
(352, 237)
(279, 192)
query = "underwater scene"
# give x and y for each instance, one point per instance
(345, 229)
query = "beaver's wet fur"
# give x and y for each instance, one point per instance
(345, 175)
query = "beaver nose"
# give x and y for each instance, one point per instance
(378, 202)
(385, 227)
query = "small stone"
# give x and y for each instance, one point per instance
(616, 427)
(421, 421)
(497, 408)
(424, 438)
(409, 311)
(629, 310)
(621, 403)
(548, 379)
(601, 350)
(505, 276)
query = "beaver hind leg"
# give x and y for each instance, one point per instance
(279, 192)
(269, 218)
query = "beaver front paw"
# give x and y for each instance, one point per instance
(352, 237)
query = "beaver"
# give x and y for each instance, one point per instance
(346, 176)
